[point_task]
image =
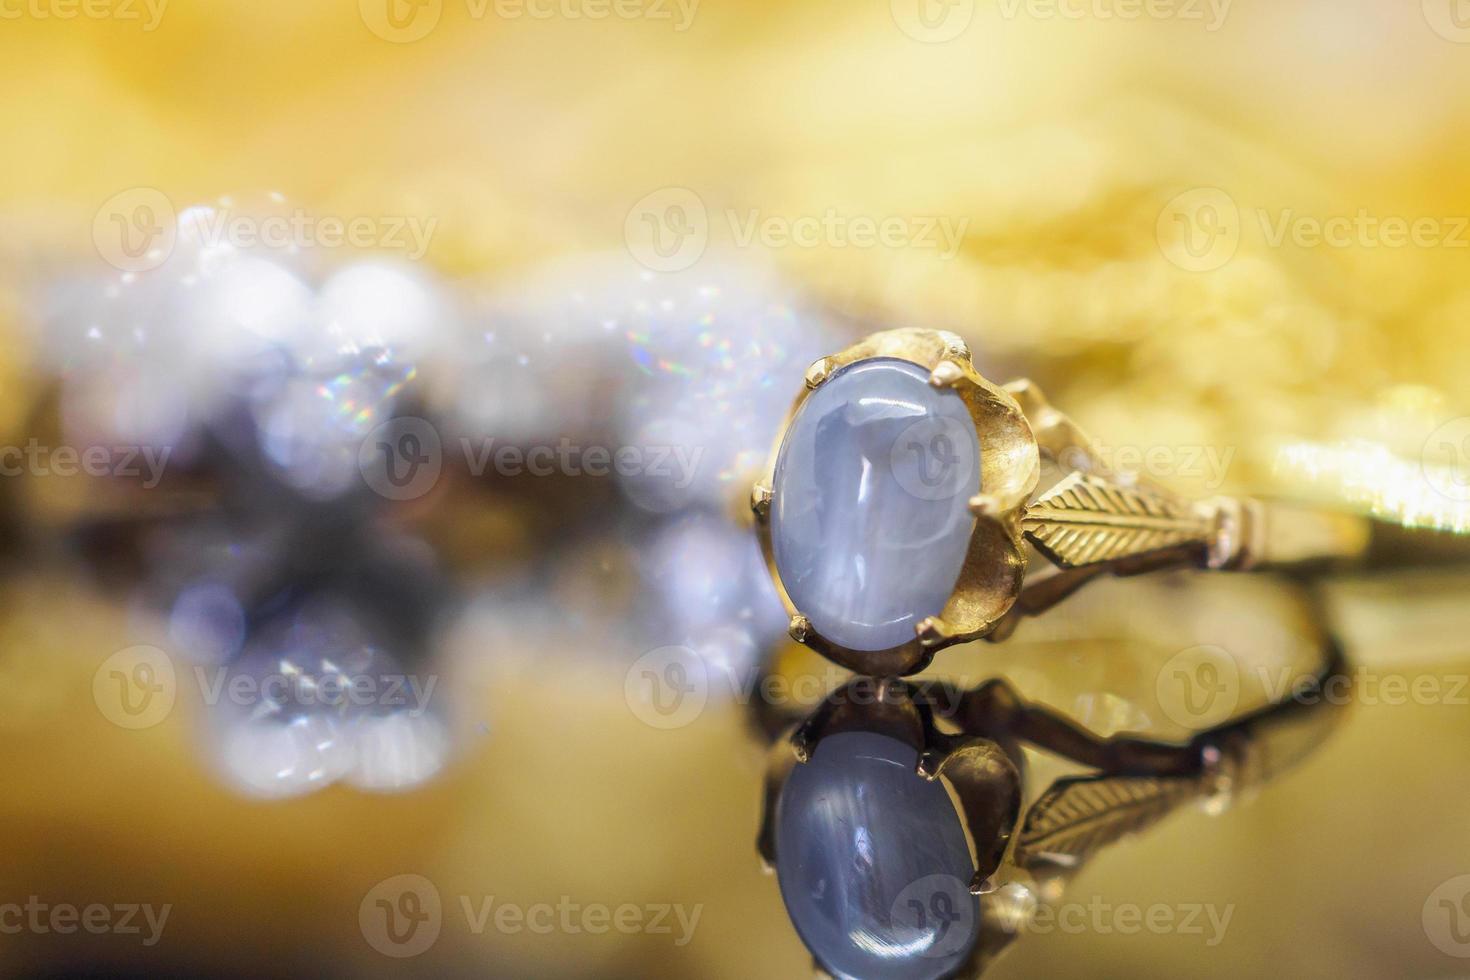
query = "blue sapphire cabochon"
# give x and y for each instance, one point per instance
(870, 519)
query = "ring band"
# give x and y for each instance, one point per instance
(896, 510)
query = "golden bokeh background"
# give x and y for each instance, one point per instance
(1093, 157)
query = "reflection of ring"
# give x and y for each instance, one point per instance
(896, 512)
(922, 784)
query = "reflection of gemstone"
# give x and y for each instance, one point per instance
(873, 863)
(870, 515)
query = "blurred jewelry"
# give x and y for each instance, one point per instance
(893, 813)
(894, 513)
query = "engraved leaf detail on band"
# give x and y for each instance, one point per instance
(1080, 814)
(1085, 520)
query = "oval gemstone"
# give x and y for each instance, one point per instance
(873, 863)
(870, 518)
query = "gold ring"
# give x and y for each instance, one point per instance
(909, 501)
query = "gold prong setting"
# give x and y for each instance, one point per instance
(819, 371)
(760, 501)
(932, 632)
(985, 505)
(1008, 462)
(946, 374)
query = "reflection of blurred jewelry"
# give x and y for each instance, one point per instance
(895, 510)
(893, 813)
